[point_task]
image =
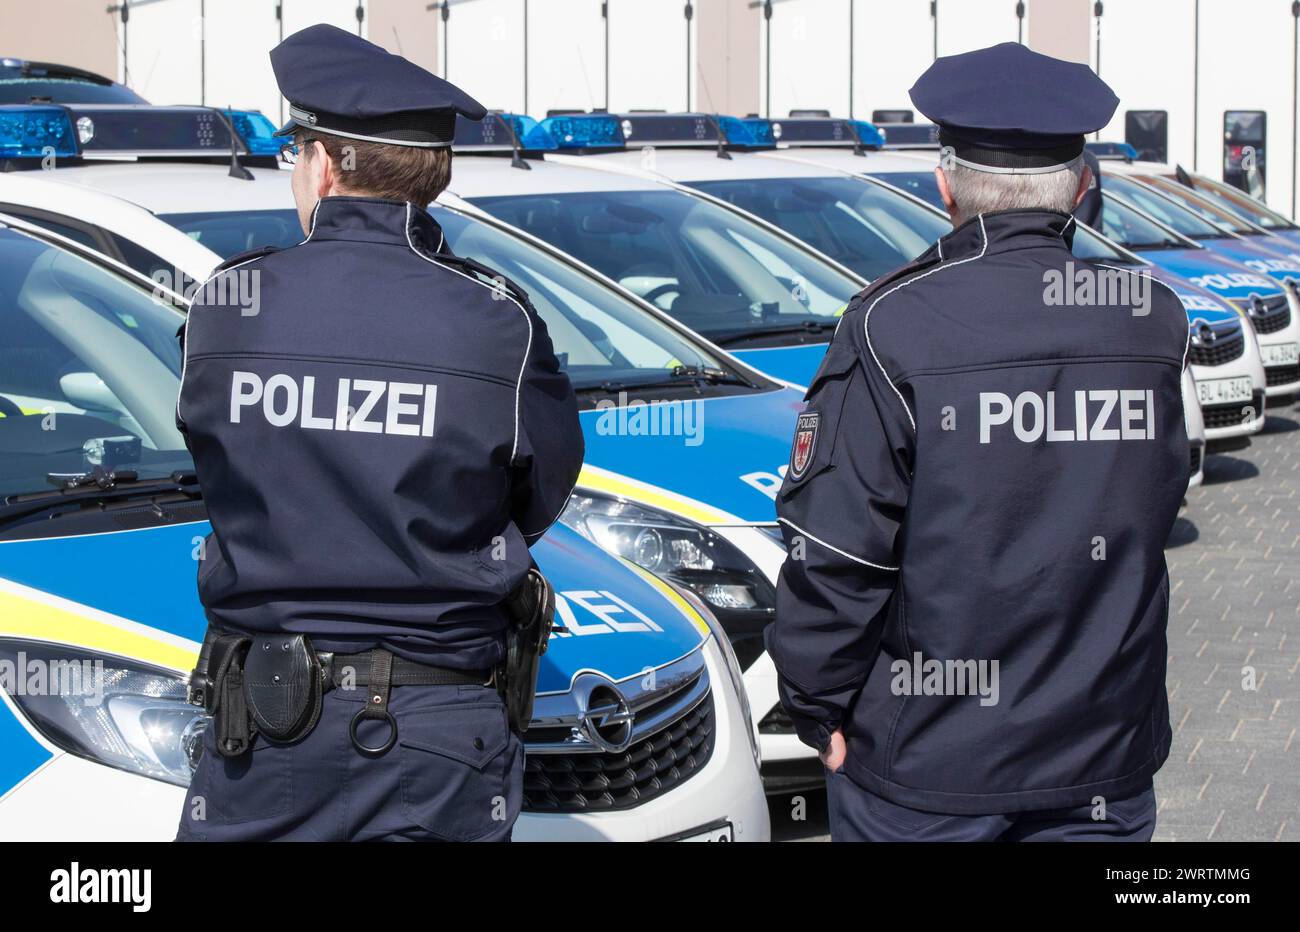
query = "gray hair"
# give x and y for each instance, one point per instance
(976, 192)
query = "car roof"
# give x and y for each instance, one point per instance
(843, 159)
(183, 187)
(696, 164)
(46, 191)
(484, 175)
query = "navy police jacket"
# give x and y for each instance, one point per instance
(978, 497)
(380, 435)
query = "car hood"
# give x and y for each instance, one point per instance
(1275, 262)
(1216, 274)
(725, 470)
(134, 594)
(797, 364)
(1197, 302)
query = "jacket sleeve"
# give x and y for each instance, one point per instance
(840, 507)
(548, 443)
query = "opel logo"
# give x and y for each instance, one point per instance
(1257, 306)
(1205, 333)
(605, 719)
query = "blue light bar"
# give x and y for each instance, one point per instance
(910, 135)
(685, 130)
(585, 131)
(256, 131)
(493, 134)
(761, 129)
(1113, 151)
(825, 132)
(36, 131)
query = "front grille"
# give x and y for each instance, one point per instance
(603, 782)
(1281, 375)
(1228, 346)
(1230, 415)
(1197, 452)
(1271, 314)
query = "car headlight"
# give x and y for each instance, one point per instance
(107, 709)
(733, 668)
(690, 555)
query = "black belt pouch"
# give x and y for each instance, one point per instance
(283, 686)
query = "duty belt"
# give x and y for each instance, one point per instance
(273, 685)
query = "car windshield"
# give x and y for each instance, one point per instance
(1086, 244)
(1161, 208)
(861, 225)
(1228, 197)
(718, 273)
(600, 337)
(230, 232)
(20, 90)
(89, 370)
(917, 184)
(1207, 211)
(1129, 228)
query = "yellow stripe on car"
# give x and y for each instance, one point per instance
(30, 613)
(672, 595)
(602, 480)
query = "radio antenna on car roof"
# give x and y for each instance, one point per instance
(516, 155)
(237, 170)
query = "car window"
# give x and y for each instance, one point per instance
(1161, 208)
(599, 336)
(918, 184)
(1129, 228)
(1239, 202)
(87, 357)
(1207, 211)
(230, 232)
(861, 225)
(716, 272)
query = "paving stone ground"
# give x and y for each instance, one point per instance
(1234, 654)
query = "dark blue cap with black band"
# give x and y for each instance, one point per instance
(341, 85)
(1007, 109)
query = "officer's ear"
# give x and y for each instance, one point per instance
(945, 192)
(326, 175)
(1085, 182)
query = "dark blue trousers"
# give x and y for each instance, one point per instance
(858, 815)
(455, 774)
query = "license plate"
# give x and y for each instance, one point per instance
(1223, 391)
(1280, 354)
(716, 833)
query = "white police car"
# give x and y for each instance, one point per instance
(696, 507)
(687, 769)
(1275, 316)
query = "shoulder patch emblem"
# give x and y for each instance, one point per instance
(805, 442)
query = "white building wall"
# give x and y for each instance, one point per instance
(1246, 61)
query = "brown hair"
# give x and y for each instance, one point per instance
(399, 173)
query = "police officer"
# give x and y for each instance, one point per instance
(971, 618)
(379, 441)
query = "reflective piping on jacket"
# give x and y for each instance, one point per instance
(866, 320)
(817, 540)
(185, 327)
(528, 349)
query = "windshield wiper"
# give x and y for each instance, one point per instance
(758, 333)
(678, 375)
(98, 485)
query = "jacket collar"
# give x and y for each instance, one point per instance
(1004, 231)
(376, 220)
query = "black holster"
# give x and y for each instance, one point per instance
(531, 611)
(270, 685)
